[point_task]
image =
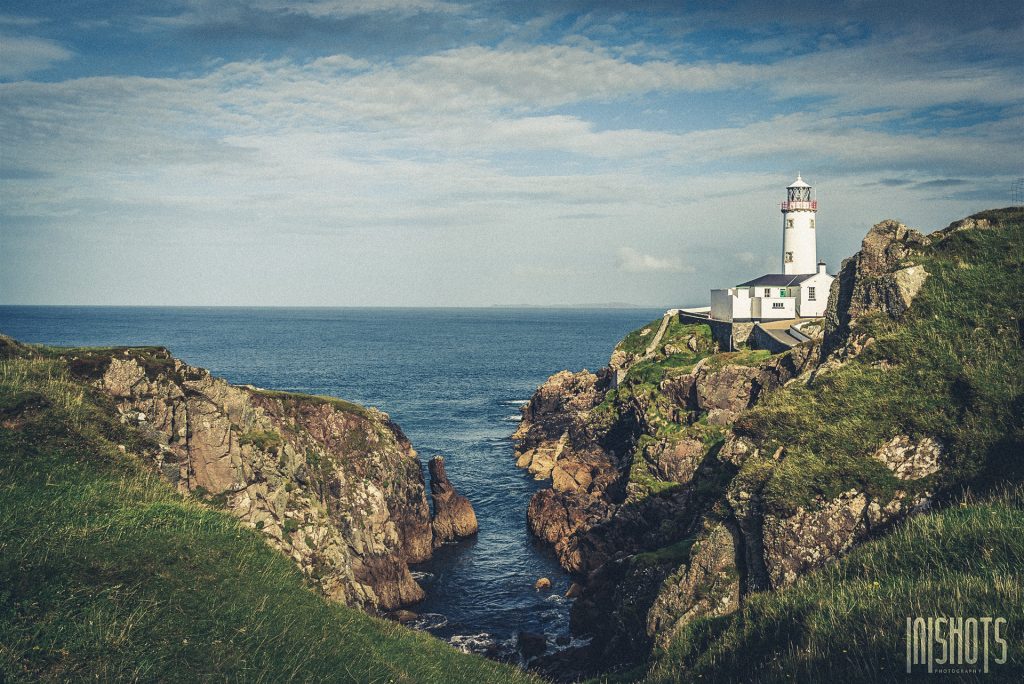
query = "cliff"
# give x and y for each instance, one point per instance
(334, 486)
(703, 478)
(110, 573)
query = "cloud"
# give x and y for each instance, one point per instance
(534, 146)
(14, 20)
(748, 258)
(941, 183)
(632, 261)
(21, 55)
(220, 13)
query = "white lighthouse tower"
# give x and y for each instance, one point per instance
(799, 251)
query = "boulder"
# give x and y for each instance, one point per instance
(543, 584)
(675, 460)
(531, 644)
(811, 536)
(403, 617)
(707, 585)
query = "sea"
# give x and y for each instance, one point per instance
(453, 379)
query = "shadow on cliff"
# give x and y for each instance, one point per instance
(651, 538)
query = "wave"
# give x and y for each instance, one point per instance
(429, 621)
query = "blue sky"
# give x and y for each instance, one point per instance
(444, 153)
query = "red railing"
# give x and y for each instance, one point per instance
(812, 205)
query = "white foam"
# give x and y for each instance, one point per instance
(428, 621)
(471, 643)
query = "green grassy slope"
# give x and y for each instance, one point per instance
(847, 622)
(107, 574)
(952, 368)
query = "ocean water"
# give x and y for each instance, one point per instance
(453, 379)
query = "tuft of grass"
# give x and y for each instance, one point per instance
(263, 440)
(636, 341)
(743, 357)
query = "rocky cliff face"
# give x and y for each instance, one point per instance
(881, 278)
(685, 486)
(335, 486)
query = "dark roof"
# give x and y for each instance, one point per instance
(777, 280)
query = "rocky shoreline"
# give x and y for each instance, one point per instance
(657, 498)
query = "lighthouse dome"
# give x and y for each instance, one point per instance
(799, 183)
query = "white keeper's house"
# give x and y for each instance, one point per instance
(801, 289)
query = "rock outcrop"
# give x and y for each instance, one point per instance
(881, 277)
(674, 498)
(454, 517)
(909, 459)
(707, 585)
(335, 486)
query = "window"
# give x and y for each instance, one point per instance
(810, 294)
(789, 223)
(812, 223)
(767, 292)
(789, 257)
(783, 293)
(777, 305)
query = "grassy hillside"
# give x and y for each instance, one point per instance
(951, 369)
(107, 574)
(847, 623)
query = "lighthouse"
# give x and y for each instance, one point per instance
(800, 291)
(799, 251)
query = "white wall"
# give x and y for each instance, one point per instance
(821, 282)
(800, 239)
(769, 312)
(731, 304)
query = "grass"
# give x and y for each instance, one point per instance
(261, 439)
(636, 342)
(107, 574)
(677, 334)
(950, 370)
(339, 404)
(743, 357)
(847, 623)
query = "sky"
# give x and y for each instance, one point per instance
(448, 153)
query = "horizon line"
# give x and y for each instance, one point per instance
(592, 305)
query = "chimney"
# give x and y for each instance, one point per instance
(821, 267)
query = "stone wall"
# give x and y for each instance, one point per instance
(722, 331)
